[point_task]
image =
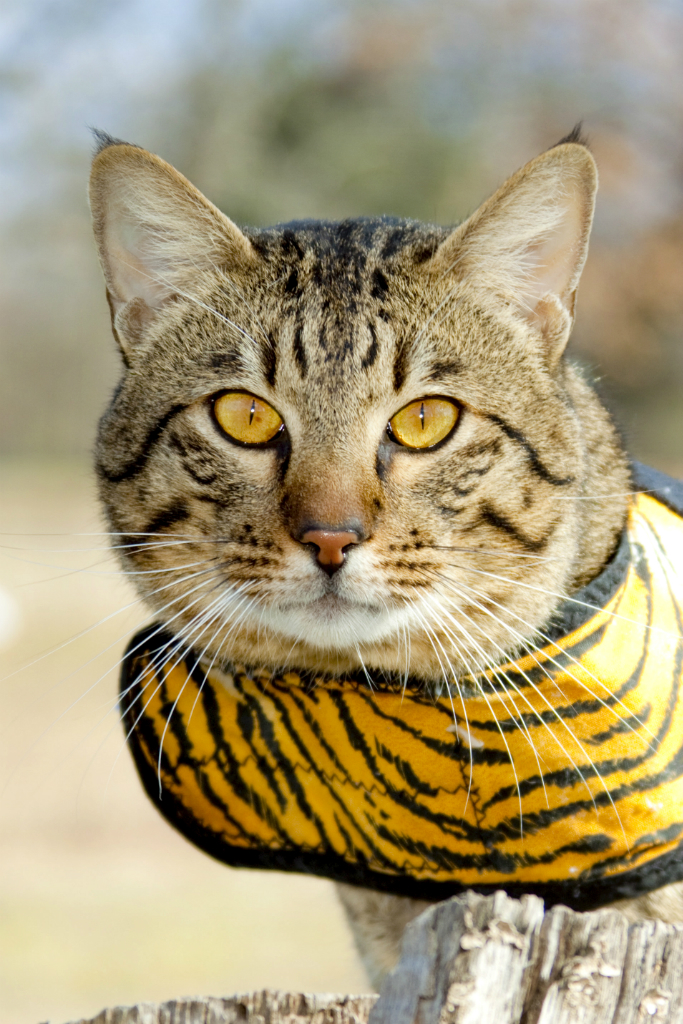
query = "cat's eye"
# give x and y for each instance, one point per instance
(246, 418)
(424, 423)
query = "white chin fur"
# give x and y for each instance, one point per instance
(331, 624)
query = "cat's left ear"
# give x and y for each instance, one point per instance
(527, 244)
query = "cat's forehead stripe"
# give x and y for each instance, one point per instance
(370, 357)
(400, 367)
(349, 241)
(299, 350)
(336, 281)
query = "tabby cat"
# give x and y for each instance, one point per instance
(356, 449)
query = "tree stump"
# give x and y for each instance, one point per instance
(483, 960)
(264, 1007)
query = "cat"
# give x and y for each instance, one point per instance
(348, 446)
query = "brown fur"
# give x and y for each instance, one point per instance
(466, 549)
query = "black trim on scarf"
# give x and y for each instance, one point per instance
(664, 488)
(581, 606)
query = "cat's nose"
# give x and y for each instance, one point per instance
(331, 545)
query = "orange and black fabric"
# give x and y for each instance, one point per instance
(560, 774)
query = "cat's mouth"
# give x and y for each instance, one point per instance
(332, 605)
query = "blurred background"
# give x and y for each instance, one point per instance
(276, 109)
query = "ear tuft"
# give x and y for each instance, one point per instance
(157, 235)
(103, 140)
(575, 135)
(527, 244)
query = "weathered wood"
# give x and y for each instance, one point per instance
(483, 960)
(464, 960)
(494, 960)
(264, 1007)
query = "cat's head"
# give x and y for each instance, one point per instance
(356, 442)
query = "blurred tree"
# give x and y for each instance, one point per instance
(281, 110)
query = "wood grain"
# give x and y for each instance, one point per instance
(266, 1007)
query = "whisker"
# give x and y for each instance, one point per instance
(89, 629)
(160, 279)
(182, 633)
(240, 295)
(159, 654)
(547, 640)
(368, 678)
(599, 497)
(89, 571)
(518, 718)
(153, 666)
(570, 600)
(89, 689)
(216, 656)
(485, 551)
(453, 675)
(96, 725)
(220, 600)
(561, 721)
(171, 538)
(536, 714)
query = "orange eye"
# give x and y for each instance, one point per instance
(245, 418)
(424, 423)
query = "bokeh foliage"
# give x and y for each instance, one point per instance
(281, 110)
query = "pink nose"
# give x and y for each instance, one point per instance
(330, 545)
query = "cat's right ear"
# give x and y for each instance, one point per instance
(157, 236)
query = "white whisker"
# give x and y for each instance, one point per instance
(557, 716)
(172, 286)
(570, 600)
(453, 675)
(540, 635)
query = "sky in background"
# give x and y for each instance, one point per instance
(71, 64)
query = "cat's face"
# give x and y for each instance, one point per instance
(339, 444)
